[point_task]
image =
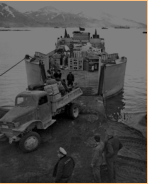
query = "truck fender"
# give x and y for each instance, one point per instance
(30, 125)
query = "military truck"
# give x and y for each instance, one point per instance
(34, 110)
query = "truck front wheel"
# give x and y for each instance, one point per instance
(74, 111)
(30, 142)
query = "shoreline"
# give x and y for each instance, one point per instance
(140, 28)
(76, 136)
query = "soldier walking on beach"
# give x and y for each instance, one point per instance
(64, 168)
(97, 159)
(112, 146)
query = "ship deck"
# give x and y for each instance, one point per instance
(88, 81)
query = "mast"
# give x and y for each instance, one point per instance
(65, 35)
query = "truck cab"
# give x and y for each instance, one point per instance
(35, 110)
(32, 105)
(32, 110)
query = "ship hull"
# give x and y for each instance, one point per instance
(95, 71)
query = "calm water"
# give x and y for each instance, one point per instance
(131, 43)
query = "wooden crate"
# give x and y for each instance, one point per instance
(52, 89)
(75, 63)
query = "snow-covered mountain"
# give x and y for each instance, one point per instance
(51, 17)
(9, 17)
(118, 20)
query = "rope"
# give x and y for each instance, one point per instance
(11, 67)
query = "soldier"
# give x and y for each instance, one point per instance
(97, 159)
(112, 146)
(58, 75)
(70, 79)
(64, 168)
(65, 85)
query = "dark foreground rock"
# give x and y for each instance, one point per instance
(76, 136)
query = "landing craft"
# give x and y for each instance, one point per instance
(94, 69)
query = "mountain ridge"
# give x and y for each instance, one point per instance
(51, 17)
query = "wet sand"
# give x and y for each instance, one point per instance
(76, 136)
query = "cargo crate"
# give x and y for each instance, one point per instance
(75, 63)
(52, 89)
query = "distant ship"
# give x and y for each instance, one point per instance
(145, 32)
(96, 72)
(81, 29)
(104, 28)
(122, 27)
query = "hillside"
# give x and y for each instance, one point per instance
(52, 17)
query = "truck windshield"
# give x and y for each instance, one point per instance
(25, 101)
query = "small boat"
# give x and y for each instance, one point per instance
(144, 32)
(81, 29)
(96, 72)
(122, 27)
(104, 28)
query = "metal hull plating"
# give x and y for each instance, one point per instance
(33, 73)
(113, 80)
(109, 83)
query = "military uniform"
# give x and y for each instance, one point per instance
(97, 162)
(70, 79)
(112, 147)
(63, 169)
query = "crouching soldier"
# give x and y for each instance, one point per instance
(64, 168)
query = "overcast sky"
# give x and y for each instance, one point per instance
(134, 10)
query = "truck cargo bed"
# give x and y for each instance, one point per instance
(69, 97)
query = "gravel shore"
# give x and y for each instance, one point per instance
(76, 136)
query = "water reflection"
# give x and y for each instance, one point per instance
(115, 106)
(116, 109)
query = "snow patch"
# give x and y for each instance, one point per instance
(48, 10)
(55, 16)
(9, 11)
(63, 17)
(28, 12)
(52, 10)
(81, 14)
